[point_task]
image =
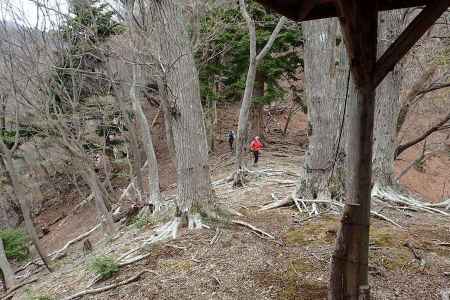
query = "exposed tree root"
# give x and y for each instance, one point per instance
(106, 288)
(257, 230)
(444, 204)
(389, 194)
(292, 200)
(165, 232)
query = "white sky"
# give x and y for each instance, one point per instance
(27, 10)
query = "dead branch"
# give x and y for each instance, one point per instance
(421, 158)
(417, 140)
(156, 118)
(62, 252)
(412, 94)
(10, 293)
(277, 204)
(434, 88)
(257, 230)
(106, 288)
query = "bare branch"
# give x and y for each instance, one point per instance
(420, 138)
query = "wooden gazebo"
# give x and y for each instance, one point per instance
(359, 23)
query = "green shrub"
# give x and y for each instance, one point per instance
(15, 242)
(104, 266)
(419, 165)
(141, 221)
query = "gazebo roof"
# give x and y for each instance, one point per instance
(302, 10)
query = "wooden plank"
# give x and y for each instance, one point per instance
(298, 10)
(415, 30)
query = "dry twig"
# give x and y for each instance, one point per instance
(106, 288)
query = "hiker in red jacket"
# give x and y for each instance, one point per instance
(255, 147)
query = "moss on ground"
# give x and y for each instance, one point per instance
(177, 265)
(322, 231)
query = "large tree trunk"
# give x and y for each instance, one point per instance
(5, 268)
(325, 96)
(387, 105)
(194, 193)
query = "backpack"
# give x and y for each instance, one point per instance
(231, 135)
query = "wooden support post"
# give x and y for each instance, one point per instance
(349, 266)
(408, 38)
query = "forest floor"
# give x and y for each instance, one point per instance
(240, 264)
(229, 261)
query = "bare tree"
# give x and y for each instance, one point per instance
(153, 175)
(179, 74)
(255, 59)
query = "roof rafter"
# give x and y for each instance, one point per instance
(303, 10)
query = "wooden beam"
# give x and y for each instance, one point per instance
(349, 269)
(295, 9)
(415, 30)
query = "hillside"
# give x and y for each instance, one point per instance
(228, 261)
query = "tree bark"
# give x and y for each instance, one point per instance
(415, 90)
(167, 125)
(258, 108)
(10, 212)
(5, 268)
(3, 103)
(136, 164)
(325, 89)
(242, 133)
(153, 174)
(37, 198)
(180, 76)
(387, 105)
(212, 122)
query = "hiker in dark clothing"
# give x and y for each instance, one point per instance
(231, 139)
